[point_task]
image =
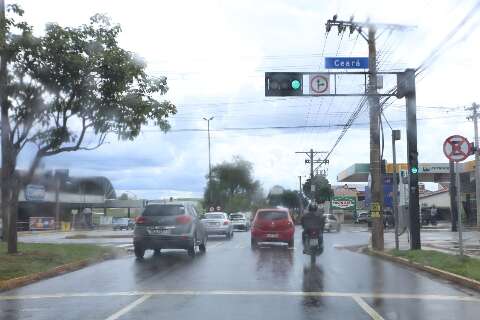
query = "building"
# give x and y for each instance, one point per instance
(55, 193)
(427, 172)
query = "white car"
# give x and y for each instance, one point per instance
(217, 223)
(240, 221)
(331, 223)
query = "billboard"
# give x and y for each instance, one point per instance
(34, 192)
(41, 223)
(344, 202)
(387, 193)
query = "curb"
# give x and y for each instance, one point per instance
(460, 280)
(69, 267)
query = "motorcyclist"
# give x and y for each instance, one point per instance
(313, 220)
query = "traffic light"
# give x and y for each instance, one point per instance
(414, 170)
(282, 84)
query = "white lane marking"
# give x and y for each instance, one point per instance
(366, 307)
(128, 308)
(245, 293)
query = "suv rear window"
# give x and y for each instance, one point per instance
(163, 210)
(272, 215)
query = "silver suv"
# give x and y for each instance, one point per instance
(168, 226)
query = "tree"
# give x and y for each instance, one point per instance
(323, 189)
(232, 185)
(284, 197)
(123, 196)
(64, 85)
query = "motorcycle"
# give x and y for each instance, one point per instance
(311, 245)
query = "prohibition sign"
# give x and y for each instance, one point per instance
(318, 84)
(457, 148)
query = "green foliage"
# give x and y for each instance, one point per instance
(467, 267)
(233, 187)
(323, 189)
(123, 196)
(74, 79)
(38, 257)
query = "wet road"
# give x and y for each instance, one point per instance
(231, 281)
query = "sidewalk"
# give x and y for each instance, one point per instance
(441, 239)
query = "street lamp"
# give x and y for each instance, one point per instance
(209, 161)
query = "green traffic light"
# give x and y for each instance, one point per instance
(414, 170)
(296, 84)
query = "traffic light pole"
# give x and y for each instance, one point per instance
(413, 199)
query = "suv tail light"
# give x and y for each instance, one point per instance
(184, 219)
(225, 223)
(140, 220)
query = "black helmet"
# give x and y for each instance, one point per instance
(312, 207)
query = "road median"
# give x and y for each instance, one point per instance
(35, 262)
(463, 271)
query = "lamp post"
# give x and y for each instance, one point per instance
(209, 162)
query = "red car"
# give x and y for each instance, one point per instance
(272, 225)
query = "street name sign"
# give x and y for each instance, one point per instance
(457, 148)
(346, 63)
(319, 83)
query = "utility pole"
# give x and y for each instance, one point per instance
(311, 160)
(209, 162)
(374, 115)
(474, 117)
(300, 184)
(375, 161)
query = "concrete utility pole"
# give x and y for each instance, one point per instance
(209, 162)
(376, 207)
(375, 161)
(311, 160)
(300, 184)
(474, 117)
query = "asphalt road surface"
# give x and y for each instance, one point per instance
(231, 281)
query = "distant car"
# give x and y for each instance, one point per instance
(272, 225)
(122, 224)
(169, 226)
(362, 217)
(217, 223)
(331, 223)
(240, 221)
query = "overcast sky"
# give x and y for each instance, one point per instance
(215, 53)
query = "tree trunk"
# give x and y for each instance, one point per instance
(13, 208)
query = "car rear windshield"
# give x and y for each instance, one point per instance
(272, 215)
(214, 216)
(164, 210)
(236, 216)
(332, 217)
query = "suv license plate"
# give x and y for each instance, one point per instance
(313, 242)
(160, 231)
(272, 235)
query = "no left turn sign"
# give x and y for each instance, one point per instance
(457, 148)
